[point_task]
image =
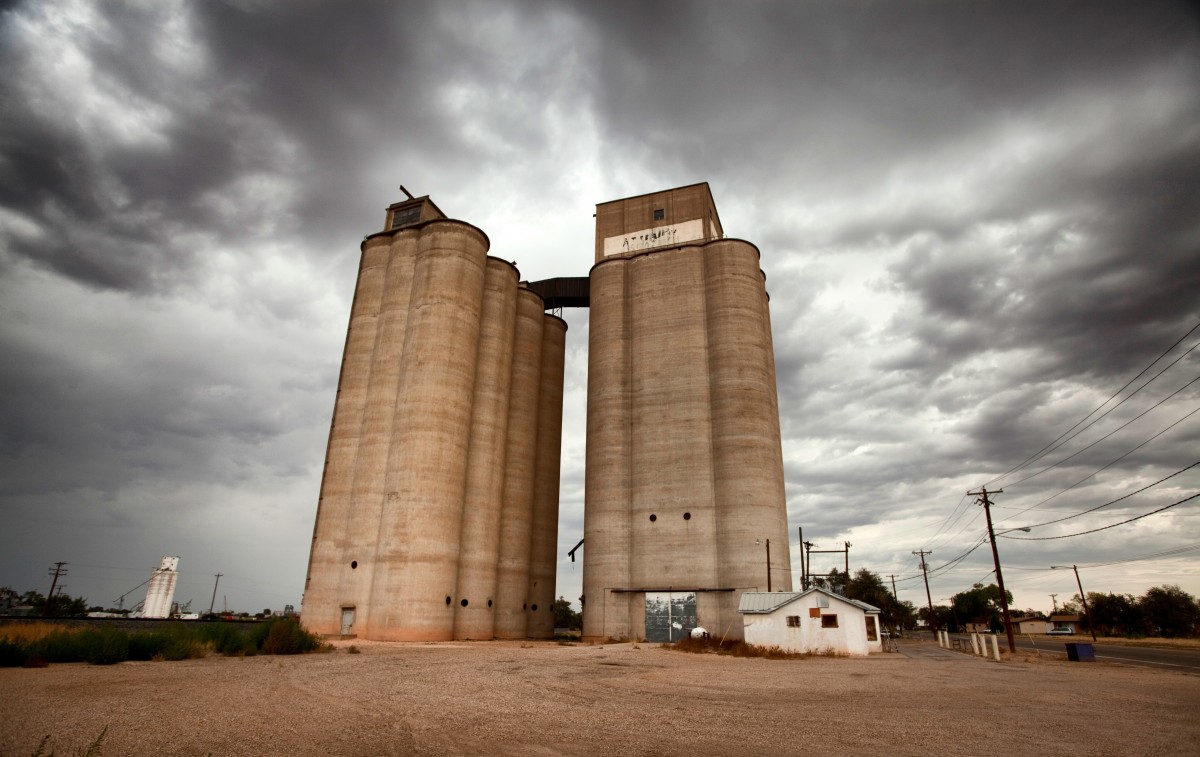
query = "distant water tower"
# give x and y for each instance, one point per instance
(160, 593)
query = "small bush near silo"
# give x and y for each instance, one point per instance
(285, 636)
(230, 641)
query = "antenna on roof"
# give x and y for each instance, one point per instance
(405, 191)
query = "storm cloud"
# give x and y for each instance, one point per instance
(977, 221)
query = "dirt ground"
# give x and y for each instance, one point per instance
(508, 698)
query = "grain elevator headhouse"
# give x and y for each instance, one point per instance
(438, 509)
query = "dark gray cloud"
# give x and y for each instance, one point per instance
(977, 222)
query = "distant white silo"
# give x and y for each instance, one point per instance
(160, 592)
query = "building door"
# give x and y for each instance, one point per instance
(670, 616)
(347, 621)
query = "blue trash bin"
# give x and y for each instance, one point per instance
(1080, 652)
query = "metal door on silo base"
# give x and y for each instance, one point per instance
(670, 616)
(347, 621)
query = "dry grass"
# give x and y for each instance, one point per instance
(741, 649)
(25, 633)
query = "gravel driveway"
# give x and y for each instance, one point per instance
(510, 698)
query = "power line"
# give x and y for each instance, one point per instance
(1111, 525)
(1111, 464)
(1112, 502)
(1152, 556)
(1110, 433)
(1038, 454)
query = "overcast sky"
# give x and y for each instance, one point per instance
(978, 222)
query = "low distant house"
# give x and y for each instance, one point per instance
(813, 621)
(10, 604)
(1030, 624)
(1064, 624)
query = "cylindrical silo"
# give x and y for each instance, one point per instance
(512, 570)
(321, 605)
(748, 461)
(608, 473)
(543, 550)
(673, 517)
(416, 567)
(370, 471)
(480, 544)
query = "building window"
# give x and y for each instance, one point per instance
(793, 621)
(406, 216)
(872, 632)
(829, 621)
(659, 214)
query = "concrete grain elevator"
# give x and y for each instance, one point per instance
(443, 450)
(438, 511)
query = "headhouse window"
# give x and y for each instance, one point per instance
(406, 216)
(659, 214)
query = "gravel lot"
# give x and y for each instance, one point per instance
(506, 698)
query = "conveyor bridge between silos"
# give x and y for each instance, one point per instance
(563, 292)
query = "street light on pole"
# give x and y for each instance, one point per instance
(1087, 613)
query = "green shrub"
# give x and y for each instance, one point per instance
(285, 636)
(104, 646)
(59, 646)
(229, 640)
(146, 645)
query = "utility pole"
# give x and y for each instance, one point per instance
(1054, 601)
(1087, 613)
(214, 597)
(56, 571)
(987, 504)
(928, 597)
(894, 595)
(808, 545)
(803, 564)
(768, 565)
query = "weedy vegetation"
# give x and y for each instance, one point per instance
(740, 649)
(37, 645)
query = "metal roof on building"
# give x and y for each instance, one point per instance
(766, 602)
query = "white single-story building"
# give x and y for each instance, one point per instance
(813, 621)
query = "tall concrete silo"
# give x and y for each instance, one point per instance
(434, 476)
(416, 560)
(512, 588)
(438, 511)
(543, 548)
(474, 616)
(684, 479)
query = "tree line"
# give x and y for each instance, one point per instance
(1166, 611)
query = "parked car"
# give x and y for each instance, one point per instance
(1060, 632)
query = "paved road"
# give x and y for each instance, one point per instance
(1187, 660)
